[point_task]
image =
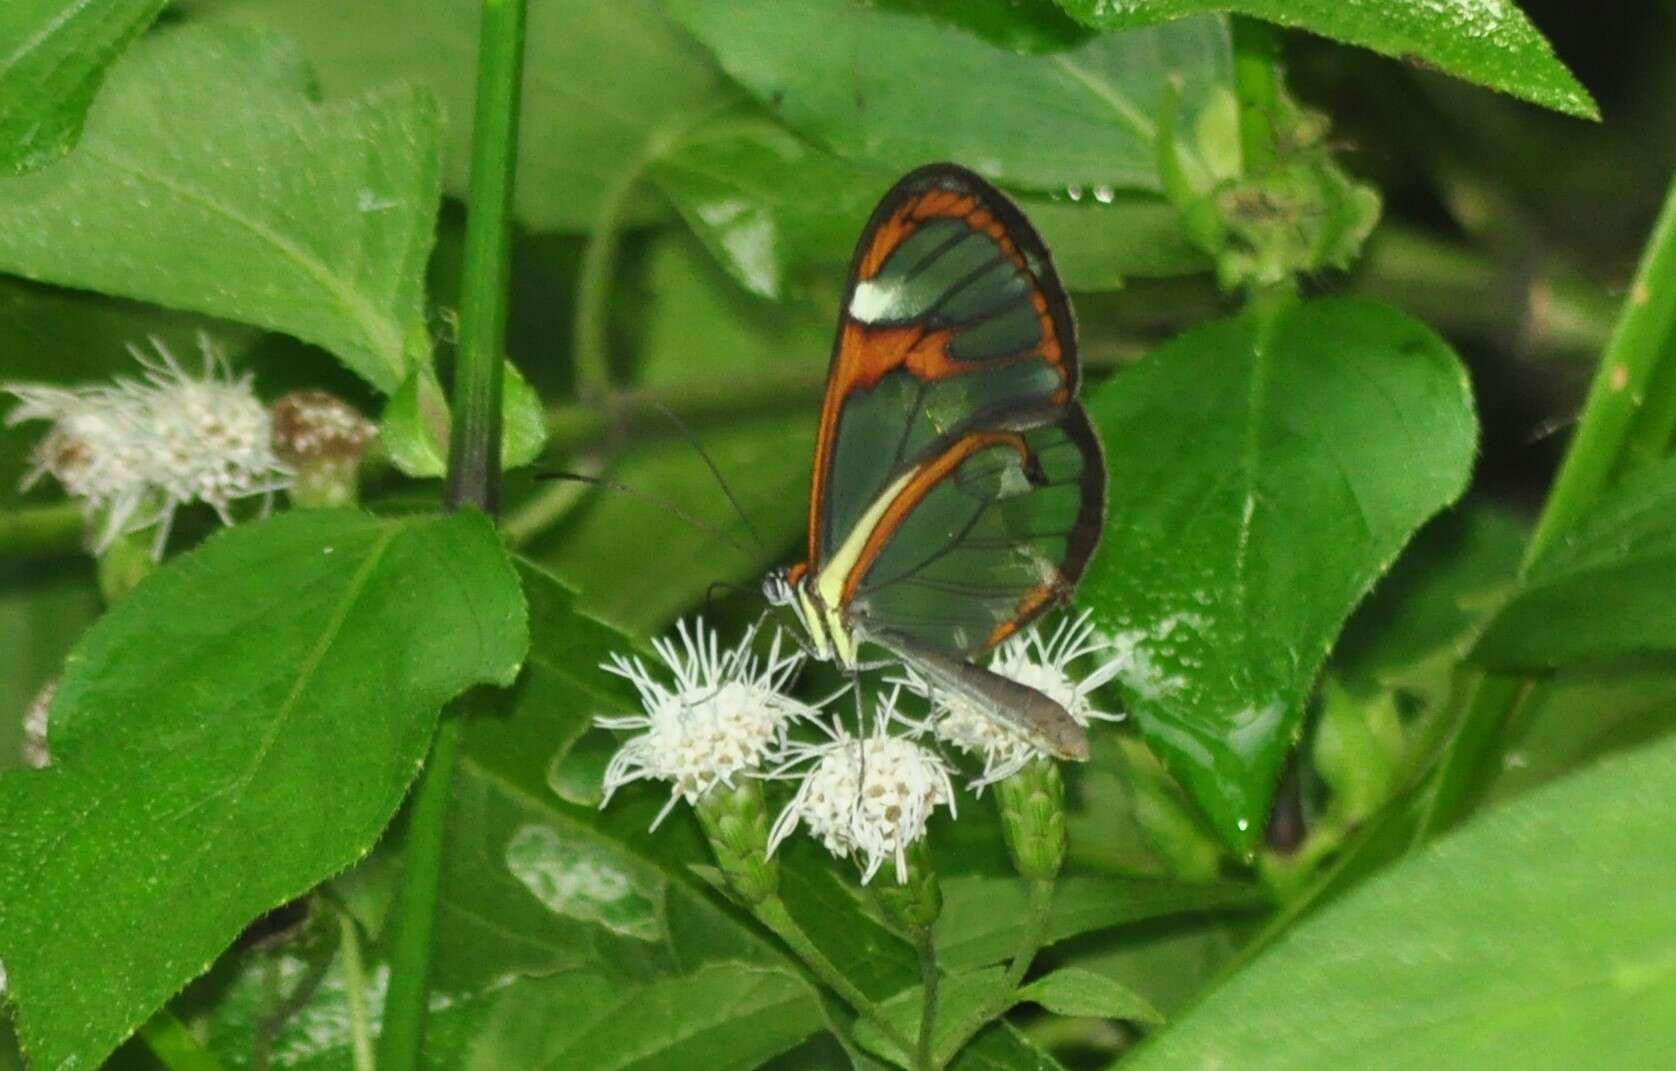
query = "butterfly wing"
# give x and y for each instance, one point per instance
(953, 318)
(952, 395)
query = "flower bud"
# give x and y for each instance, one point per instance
(915, 899)
(321, 439)
(1032, 803)
(735, 819)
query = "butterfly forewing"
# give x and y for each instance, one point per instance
(950, 431)
(953, 319)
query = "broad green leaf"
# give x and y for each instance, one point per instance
(53, 55)
(1540, 937)
(268, 208)
(533, 884)
(1085, 116)
(1264, 475)
(1604, 590)
(1075, 991)
(581, 134)
(701, 337)
(768, 205)
(982, 916)
(1489, 42)
(414, 428)
(719, 1017)
(239, 728)
(1582, 713)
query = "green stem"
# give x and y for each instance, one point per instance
(1030, 942)
(355, 995)
(474, 440)
(1640, 341)
(1256, 85)
(40, 531)
(590, 336)
(928, 989)
(1616, 422)
(174, 1046)
(771, 912)
(414, 912)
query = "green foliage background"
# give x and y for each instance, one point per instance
(1333, 366)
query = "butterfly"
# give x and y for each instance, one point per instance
(958, 489)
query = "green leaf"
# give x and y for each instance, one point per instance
(1265, 473)
(1074, 991)
(1436, 598)
(1169, 964)
(1604, 590)
(1489, 42)
(1582, 713)
(1085, 116)
(580, 136)
(720, 1017)
(769, 205)
(53, 55)
(268, 208)
(240, 727)
(959, 997)
(534, 884)
(982, 916)
(415, 425)
(1542, 936)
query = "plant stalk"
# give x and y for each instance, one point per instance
(174, 1046)
(1256, 85)
(772, 913)
(1030, 942)
(1622, 425)
(414, 912)
(474, 440)
(929, 975)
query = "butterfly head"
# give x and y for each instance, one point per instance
(777, 587)
(789, 586)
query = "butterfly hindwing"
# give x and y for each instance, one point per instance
(990, 533)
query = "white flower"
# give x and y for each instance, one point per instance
(136, 451)
(1042, 664)
(865, 796)
(725, 713)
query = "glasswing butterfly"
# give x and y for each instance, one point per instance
(959, 489)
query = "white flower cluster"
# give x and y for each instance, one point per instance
(725, 715)
(867, 798)
(134, 451)
(866, 795)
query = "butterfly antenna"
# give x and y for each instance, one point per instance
(661, 503)
(715, 470)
